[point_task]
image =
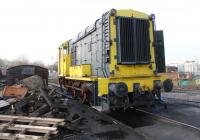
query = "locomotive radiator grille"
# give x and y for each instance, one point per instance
(133, 43)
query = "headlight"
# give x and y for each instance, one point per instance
(119, 89)
(168, 85)
(113, 12)
(136, 87)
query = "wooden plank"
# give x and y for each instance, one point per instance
(29, 119)
(38, 129)
(7, 125)
(50, 132)
(34, 125)
(25, 129)
(8, 136)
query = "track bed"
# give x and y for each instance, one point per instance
(132, 124)
(155, 127)
(129, 125)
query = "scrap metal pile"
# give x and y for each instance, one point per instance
(30, 107)
(31, 97)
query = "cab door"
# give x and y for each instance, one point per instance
(64, 60)
(60, 61)
(159, 51)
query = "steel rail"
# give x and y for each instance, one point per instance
(186, 91)
(182, 101)
(167, 120)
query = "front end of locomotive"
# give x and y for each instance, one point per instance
(136, 61)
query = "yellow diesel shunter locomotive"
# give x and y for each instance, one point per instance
(116, 62)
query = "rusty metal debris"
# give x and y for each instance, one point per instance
(15, 91)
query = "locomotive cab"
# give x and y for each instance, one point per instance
(63, 60)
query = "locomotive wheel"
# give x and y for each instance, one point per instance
(82, 98)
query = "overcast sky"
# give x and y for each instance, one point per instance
(35, 28)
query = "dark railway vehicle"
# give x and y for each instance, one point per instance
(1, 75)
(17, 73)
(117, 62)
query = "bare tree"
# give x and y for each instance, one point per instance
(1, 62)
(53, 66)
(21, 60)
(38, 63)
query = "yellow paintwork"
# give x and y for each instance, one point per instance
(64, 60)
(128, 74)
(82, 78)
(67, 64)
(80, 71)
(130, 70)
(146, 82)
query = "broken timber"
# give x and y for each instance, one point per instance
(28, 128)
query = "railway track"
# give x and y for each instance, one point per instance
(188, 98)
(150, 126)
(186, 91)
(183, 101)
(168, 120)
(148, 116)
(157, 127)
